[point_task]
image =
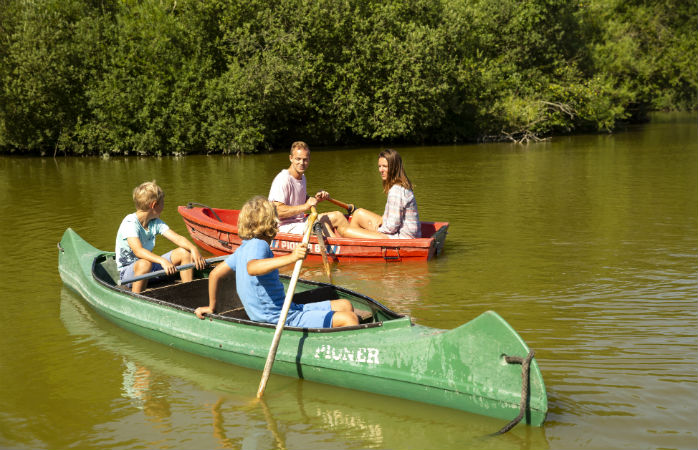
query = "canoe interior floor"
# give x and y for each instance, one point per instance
(195, 293)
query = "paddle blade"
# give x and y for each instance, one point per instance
(323, 250)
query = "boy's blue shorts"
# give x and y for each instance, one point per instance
(311, 315)
(127, 272)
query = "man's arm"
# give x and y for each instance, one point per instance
(285, 211)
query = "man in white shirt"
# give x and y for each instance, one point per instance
(288, 193)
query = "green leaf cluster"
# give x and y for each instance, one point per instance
(154, 77)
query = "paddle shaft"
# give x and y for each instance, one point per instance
(284, 309)
(158, 273)
(349, 207)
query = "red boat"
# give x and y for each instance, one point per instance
(216, 230)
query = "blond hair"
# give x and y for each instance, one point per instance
(299, 145)
(258, 219)
(146, 193)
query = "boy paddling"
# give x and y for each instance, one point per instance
(256, 272)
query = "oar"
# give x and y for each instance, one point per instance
(190, 205)
(284, 309)
(323, 250)
(157, 273)
(349, 207)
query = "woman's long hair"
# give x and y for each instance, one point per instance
(396, 171)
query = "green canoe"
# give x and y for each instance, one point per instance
(465, 368)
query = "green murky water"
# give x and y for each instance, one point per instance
(586, 245)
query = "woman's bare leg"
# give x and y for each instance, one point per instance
(360, 233)
(363, 218)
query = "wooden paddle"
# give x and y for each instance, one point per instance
(158, 273)
(323, 250)
(285, 308)
(190, 205)
(349, 207)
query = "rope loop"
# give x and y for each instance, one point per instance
(525, 365)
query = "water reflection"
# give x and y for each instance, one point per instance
(254, 438)
(339, 420)
(147, 394)
(219, 425)
(215, 403)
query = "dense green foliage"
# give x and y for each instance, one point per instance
(192, 76)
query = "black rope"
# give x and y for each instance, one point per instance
(525, 365)
(190, 205)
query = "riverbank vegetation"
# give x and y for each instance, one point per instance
(158, 77)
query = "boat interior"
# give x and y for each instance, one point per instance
(171, 291)
(437, 230)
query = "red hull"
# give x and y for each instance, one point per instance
(220, 237)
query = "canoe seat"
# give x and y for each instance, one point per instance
(364, 316)
(105, 269)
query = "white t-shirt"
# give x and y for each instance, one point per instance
(131, 227)
(289, 191)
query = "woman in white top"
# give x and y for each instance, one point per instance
(400, 219)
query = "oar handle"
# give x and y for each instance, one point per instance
(190, 205)
(349, 207)
(158, 273)
(285, 308)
